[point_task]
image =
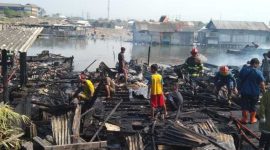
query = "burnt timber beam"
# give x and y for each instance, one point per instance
(5, 75)
(107, 118)
(77, 146)
(23, 69)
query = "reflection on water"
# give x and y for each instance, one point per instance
(85, 51)
(177, 54)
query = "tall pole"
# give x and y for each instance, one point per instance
(149, 52)
(108, 10)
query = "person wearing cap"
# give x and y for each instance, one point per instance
(122, 64)
(225, 78)
(251, 80)
(266, 67)
(88, 88)
(193, 64)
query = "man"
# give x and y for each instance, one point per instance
(175, 97)
(193, 64)
(88, 88)
(109, 86)
(225, 78)
(266, 67)
(251, 80)
(264, 113)
(156, 88)
(122, 64)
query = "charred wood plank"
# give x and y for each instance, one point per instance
(103, 123)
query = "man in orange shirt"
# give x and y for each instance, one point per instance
(156, 87)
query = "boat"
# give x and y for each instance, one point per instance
(248, 49)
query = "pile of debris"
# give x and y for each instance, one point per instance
(123, 121)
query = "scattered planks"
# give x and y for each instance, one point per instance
(135, 142)
(77, 146)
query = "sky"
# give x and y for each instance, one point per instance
(197, 10)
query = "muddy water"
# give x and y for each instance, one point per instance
(85, 51)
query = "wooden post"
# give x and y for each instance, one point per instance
(23, 71)
(148, 58)
(5, 75)
(76, 124)
(149, 52)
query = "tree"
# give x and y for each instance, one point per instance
(9, 12)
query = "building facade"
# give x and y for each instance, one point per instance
(30, 9)
(176, 33)
(233, 33)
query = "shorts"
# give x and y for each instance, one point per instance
(249, 102)
(157, 100)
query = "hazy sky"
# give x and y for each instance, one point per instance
(204, 10)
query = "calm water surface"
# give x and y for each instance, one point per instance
(85, 51)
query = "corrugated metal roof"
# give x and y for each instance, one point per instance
(238, 25)
(182, 26)
(18, 38)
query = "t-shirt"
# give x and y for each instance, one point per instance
(90, 90)
(225, 79)
(250, 81)
(156, 83)
(177, 97)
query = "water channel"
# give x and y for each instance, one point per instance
(85, 51)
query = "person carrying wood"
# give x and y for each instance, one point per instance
(251, 80)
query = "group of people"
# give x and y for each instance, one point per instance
(251, 85)
(88, 88)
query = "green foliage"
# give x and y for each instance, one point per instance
(10, 127)
(12, 13)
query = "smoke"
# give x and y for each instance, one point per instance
(232, 59)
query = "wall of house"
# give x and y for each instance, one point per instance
(242, 37)
(18, 8)
(177, 38)
(141, 37)
(34, 11)
(232, 37)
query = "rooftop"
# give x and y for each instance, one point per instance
(18, 38)
(180, 26)
(10, 5)
(237, 25)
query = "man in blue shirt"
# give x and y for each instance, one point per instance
(225, 78)
(251, 80)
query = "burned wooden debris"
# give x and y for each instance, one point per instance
(203, 121)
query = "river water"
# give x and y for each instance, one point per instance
(85, 51)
